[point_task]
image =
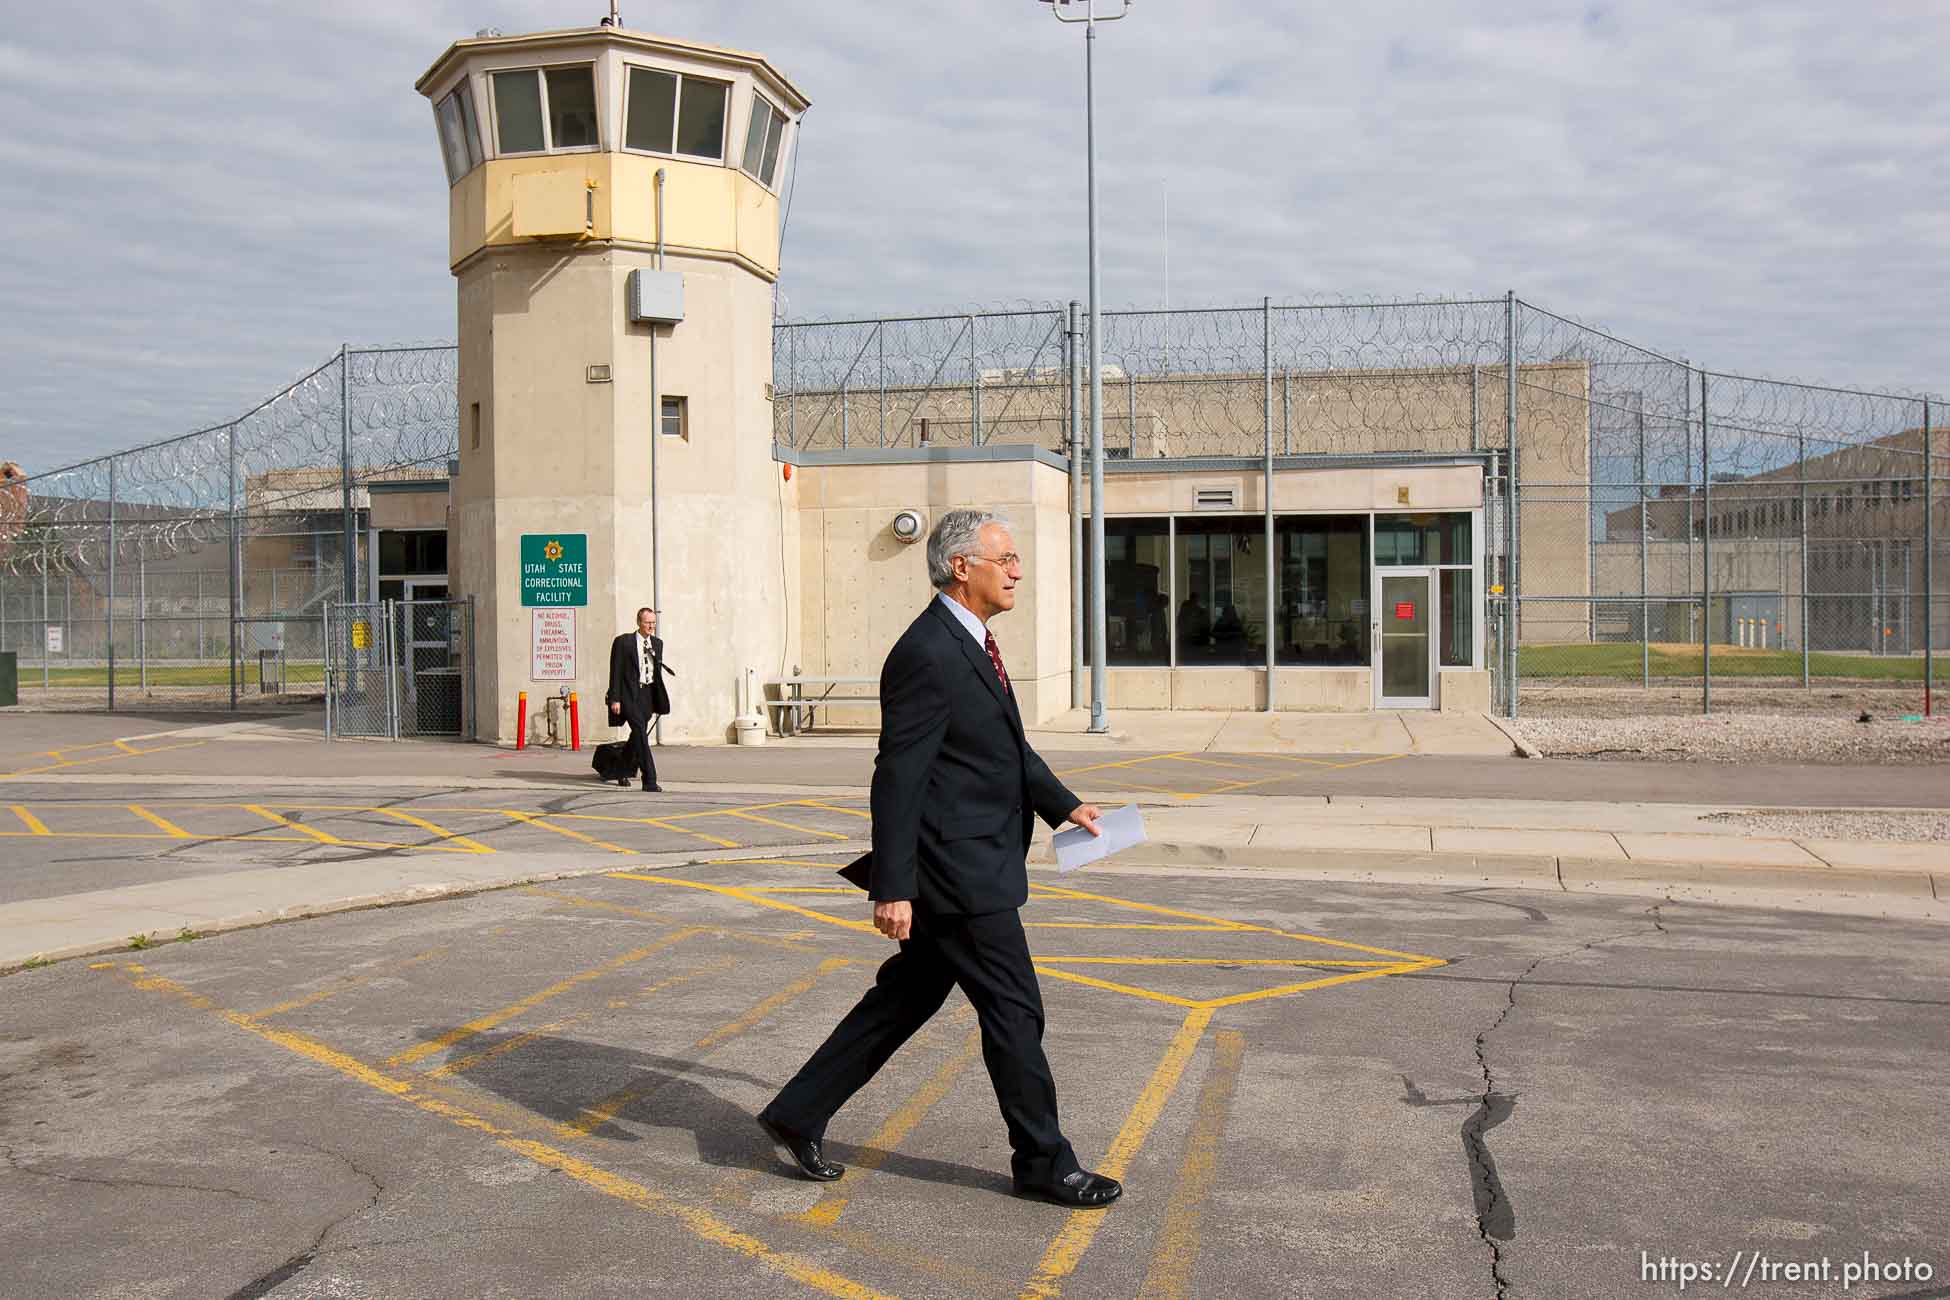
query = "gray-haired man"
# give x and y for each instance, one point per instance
(954, 785)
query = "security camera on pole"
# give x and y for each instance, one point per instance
(1089, 17)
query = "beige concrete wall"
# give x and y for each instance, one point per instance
(560, 453)
(860, 588)
(1300, 690)
(410, 510)
(1463, 690)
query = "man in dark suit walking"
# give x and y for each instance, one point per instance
(637, 694)
(954, 786)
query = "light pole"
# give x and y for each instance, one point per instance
(1089, 18)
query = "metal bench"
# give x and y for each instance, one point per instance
(797, 711)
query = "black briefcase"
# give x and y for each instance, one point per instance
(613, 761)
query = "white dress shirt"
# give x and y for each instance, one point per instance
(644, 660)
(966, 617)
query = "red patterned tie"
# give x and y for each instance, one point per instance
(995, 657)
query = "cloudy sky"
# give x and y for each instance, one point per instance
(203, 200)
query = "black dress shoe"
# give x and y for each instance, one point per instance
(805, 1153)
(1081, 1190)
(653, 789)
(623, 781)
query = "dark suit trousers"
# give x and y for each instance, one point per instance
(988, 956)
(640, 735)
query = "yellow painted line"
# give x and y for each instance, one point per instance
(699, 1222)
(604, 905)
(1056, 892)
(1363, 762)
(748, 807)
(104, 758)
(894, 1130)
(1283, 990)
(785, 825)
(1215, 961)
(554, 1027)
(279, 819)
(804, 889)
(602, 1112)
(34, 825)
(661, 823)
(1214, 762)
(1126, 762)
(1064, 1253)
(748, 896)
(1231, 786)
(1123, 925)
(776, 862)
(533, 819)
(162, 823)
(1111, 986)
(1126, 784)
(212, 839)
(472, 846)
(493, 1018)
(125, 747)
(347, 982)
(1170, 1274)
(833, 807)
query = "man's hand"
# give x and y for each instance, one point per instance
(1086, 815)
(615, 709)
(895, 920)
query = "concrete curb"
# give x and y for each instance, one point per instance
(1522, 747)
(119, 915)
(1562, 874)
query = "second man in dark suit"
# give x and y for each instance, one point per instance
(954, 788)
(637, 694)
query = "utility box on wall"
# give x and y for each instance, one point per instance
(656, 297)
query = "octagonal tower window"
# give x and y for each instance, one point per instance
(537, 110)
(460, 137)
(668, 112)
(762, 140)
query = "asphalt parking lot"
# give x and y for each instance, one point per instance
(1309, 1088)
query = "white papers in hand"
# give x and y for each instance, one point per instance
(1122, 828)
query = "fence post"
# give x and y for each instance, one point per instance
(1645, 566)
(880, 334)
(1076, 512)
(845, 413)
(1286, 412)
(1266, 421)
(47, 613)
(1706, 555)
(325, 660)
(142, 610)
(1510, 572)
(386, 609)
(111, 584)
(974, 391)
(1801, 509)
(1475, 407)
(791, 397)
(350, 561)
(1929, 563)
(234, 566)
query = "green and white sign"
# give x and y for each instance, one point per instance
(554, 569)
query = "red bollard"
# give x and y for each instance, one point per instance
(521, 720)
(575, 723)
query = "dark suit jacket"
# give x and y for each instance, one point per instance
(955, 781)
(624, 670)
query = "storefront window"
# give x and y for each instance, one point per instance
(1422, 539)
(1136, 603)
(1221, 592)
(1323, 590)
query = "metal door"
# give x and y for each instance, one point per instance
(1404, 646)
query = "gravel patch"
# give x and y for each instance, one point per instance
(1740, 738)
(1557, 697)
(1929, 827)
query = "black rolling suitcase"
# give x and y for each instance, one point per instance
(613, 761)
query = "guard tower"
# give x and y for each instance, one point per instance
(613, 226)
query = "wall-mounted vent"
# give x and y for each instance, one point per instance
(1215, 498)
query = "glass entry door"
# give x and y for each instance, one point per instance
(1403, 624)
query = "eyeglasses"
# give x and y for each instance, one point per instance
(1008, 561)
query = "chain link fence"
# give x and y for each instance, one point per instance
(193, 572)
(1658, 535)
(398, 668)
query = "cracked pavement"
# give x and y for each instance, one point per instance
(548, 1091)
